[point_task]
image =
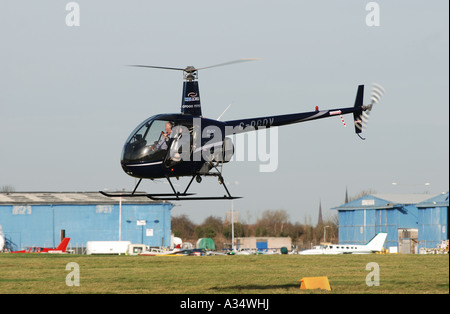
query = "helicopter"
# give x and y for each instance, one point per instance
(187, 144)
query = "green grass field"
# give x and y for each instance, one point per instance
(274, 274)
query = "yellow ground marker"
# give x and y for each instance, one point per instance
(315, 283)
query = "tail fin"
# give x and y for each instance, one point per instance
(357, 115)
(63, 245)
(377, 242)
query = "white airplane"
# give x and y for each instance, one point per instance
(374, 245)
(160, 252)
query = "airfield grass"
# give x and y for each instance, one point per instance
(259, 274)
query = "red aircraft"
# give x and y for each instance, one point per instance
(60, 249)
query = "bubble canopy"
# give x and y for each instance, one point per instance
(149, 141)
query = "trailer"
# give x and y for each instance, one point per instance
(107, 247)
(136, 249)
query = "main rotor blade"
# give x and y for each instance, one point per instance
(192, 69)
(155, 67)
(230, 62)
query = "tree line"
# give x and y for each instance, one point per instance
(272, 223)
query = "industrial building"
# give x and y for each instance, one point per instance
(263, 243)
(412, 221)
(39, 218)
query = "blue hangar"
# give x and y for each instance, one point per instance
(37, 219)
(412, 221)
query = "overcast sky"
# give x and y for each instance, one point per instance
(68, 102)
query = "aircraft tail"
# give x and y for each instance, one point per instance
(357, 115)
(361, 114)
(377, 242)
(63, 245)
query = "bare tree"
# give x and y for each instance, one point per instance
(182, 227)
(272, 223)
(211, 227)
(7, 189)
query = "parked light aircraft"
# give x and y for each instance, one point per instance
(2, 239)
(61, 248)
(160, 252)
(374, 245)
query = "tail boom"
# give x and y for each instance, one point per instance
(246, 125)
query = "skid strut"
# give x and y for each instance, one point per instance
(176, 195)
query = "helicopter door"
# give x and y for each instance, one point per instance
(180, 148)
(227, 149)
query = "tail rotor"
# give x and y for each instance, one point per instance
(377, 94)
(375, 97)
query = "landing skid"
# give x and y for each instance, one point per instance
(176, 196)
(198, 198)
(119, 194)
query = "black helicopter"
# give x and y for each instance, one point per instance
(188, 144)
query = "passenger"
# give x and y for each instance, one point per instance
(165, 136)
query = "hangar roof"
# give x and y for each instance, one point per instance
(386, 201)
(76, 198)
(439, 200)
(405, 198)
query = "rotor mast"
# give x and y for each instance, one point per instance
(190, 73)
(190, 102)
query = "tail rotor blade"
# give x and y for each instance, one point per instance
(358, 124)
(375, 97)
(377, 93)
(365, 120)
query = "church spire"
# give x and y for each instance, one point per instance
(320, 221)
(346, 196)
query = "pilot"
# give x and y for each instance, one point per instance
(165, 136)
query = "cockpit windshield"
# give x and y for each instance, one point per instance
(149, 142)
